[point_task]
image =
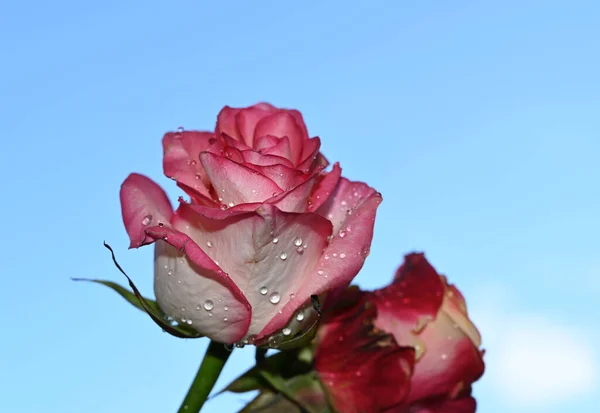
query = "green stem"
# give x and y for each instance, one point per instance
(208, 373)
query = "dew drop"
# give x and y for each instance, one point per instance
(274, 298)
(198, 307)
(292, 295)
(283, 255)
(209, 244)
(300, 250)
(191, 162)
(298, 242)
(320, 272)
(300, 316)
(209, 305)
(147, 220)
(190, 322)
(275, 240)
(170, 272)
(342, 233)
(225, 319)
(263, 290)
(286, 331)
(342, 255)
(229, 347)
(231, 204)
(326, 257)
(273, 342)
(223, 207)
(180, 129)
(226, 308)
(210, 314)
(334, 254)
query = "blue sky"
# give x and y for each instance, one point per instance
(478, 123)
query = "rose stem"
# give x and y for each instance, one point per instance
(208, 373)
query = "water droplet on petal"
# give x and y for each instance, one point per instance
(263, 290)
(210, 314)
(209, 305)
(342, 255)
(198, 307)
(170, 272)
(342, 234)
(298, 242)
(286, 331)
(223, 207)
(444, 356)
(283, 255)
(231, 204)
(226, 308)
(274, 298)
(300, 316)
(209, 244)
(320, 272)
(191, 162)
(180, 129)
(147, 220)
(229, 347)
(300, 250)
(190, 322)
(225, 319)
(275, 240)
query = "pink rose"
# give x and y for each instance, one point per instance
(407, 348)
(265, 227)
(421, 310)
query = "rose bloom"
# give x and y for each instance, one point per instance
(407, 348)
(264, 229)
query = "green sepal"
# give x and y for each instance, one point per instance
(149, 306)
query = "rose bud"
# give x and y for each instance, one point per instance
(265, 227)
(361, 350)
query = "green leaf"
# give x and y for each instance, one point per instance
(303, 395)
(125, 293)
(149, 306)
(286, 364)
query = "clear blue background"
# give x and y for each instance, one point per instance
(478, 122)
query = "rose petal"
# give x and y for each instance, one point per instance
(324, 186)
(181, 158)
(143, 204)
(248, 118)
(311, 158)
(227, 123)
(286, 178)
(462, 405)
(411, 301)
(265, 160)
(243, 244)
(295, 199)
(192, 289)
(413, 309)
(234, 143)
(363, 370)
(266, 141)
(282, 124)
(345, 255)
(281, 148)
(236, 184)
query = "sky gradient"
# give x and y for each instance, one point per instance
(477, 122)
